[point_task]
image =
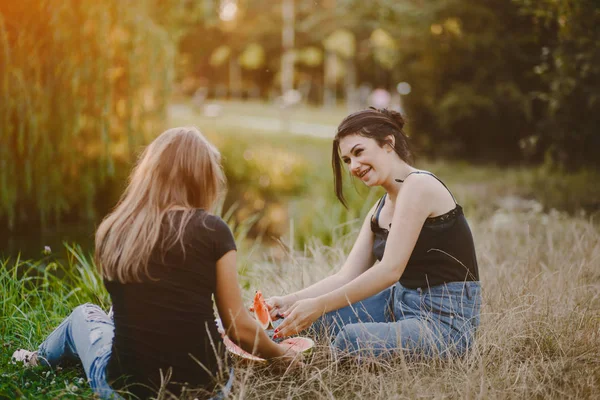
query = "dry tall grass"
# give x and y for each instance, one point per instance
(539, 335)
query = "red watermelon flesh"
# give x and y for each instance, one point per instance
(299, 344)
(261, 311)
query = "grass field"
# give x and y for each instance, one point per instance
(539, 336)
(540, 271)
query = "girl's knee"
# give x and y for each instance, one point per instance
(90, 313)
(347, 339)
(86, 307)
(365, 342)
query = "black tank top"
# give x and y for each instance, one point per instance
(444, 251)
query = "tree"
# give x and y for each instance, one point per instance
(567, 34)
(82, 86)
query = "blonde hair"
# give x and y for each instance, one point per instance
(180, 169)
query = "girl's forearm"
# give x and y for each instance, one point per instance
(369, 283)
(251, 338)
(320, 288)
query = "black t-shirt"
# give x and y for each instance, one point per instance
(167, 320)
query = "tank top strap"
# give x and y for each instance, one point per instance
(429, 173)
(380, 204)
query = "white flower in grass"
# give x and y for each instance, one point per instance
(47, 250)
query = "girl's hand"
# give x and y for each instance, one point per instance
(299, 317)
(279, 305)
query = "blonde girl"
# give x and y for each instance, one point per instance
(163, 256)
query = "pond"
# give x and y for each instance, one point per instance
(30, 244)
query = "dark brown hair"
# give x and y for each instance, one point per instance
(375, 124)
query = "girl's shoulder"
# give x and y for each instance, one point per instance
(420, 175)
(433, 192)
(426, 180)
(207, 219)
(420, 183)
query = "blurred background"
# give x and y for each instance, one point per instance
(502, 99)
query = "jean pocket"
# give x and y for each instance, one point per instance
(458, 308)
(439, 303)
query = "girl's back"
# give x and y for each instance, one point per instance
(167, 319)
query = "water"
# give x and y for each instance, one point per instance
(30, 244)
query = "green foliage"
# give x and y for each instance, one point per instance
(263, 174)
(568, 35)
(286, 183)
(573, 192)
(469, 69)
(82, 87)
(498, 81)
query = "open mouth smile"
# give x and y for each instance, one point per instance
(362, 174)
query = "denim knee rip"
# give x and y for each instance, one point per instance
(93, 313)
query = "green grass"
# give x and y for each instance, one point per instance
(232, 109)
(36, 297)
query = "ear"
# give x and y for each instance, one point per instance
(391, 139)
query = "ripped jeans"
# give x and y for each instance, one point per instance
(87, 334)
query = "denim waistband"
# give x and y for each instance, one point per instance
(470, 289)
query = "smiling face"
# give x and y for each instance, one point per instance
(365, 159)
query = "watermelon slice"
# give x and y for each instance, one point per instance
(261, 311)
(300, 344)
(238, 351)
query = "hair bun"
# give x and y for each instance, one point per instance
(395, 116)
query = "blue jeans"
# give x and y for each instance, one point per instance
(87, 335)
(434, 322)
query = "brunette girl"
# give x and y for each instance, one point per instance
(410, 283)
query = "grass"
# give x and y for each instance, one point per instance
(231, 110)
(36, 297)
(539, 335)
(540, 331)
